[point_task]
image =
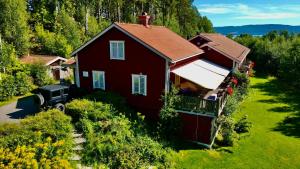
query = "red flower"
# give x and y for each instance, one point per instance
(230, 90)
(234, 80)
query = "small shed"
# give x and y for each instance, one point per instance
(53, 63)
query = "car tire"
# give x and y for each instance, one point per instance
(60, 107)
(40, 100)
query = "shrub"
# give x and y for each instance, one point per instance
(53, 124)
(40, 75)
(169, 117)
(243, 125)
(23, 83)
(113, 140)
(41, 141)
(7, 87)
(227, 130)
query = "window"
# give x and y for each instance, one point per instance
(85, 74)
(117, 50)
(56, 93)
(139, 84)
(98, 80)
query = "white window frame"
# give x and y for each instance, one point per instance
(111, 52)
(85, 74)
(98, 87)
(139, 86)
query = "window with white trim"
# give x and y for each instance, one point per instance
(139, 84)
(98, 80)
(117, 50)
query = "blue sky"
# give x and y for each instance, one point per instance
(244, 12)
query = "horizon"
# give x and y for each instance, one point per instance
(257, 12)
(257, 25)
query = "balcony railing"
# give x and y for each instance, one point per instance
(202, 106)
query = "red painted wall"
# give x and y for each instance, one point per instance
(213, 55)
(217, 58)
(197, 128)
(138, 60)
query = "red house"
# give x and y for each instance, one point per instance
(221, 50)
(141, 61)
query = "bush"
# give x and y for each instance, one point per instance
(41, 141)
(23, 83)
(113, 140)
(53, 124)
(227, 130)
(7, 87)
(169, 117)
(243, 125)
(40, 75)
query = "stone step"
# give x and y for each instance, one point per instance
(78, 148)
(79, 140)
(74, 135)
(75, 157)
(79, 166)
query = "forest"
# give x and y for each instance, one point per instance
(57, 27)
(277, 54)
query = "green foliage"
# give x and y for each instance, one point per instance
(113, 140)
(23, 83)
(7, 87)
(169, 117)
(38, 128)
(40, 141)
(227, 130)
(276, 53)
(8, 58)
(13, 24)
(242, 125)
(40, 75)
(52, 43)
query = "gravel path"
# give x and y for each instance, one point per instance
(17, 110)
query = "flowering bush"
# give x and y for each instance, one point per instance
(230, 90)
(41, 155)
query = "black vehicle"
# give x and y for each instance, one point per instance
(53, 96)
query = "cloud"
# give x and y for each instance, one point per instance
(258, 12)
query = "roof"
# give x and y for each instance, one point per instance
(70, 61)
(44, 59)
(203, 73)
(54, 87)
(226, 46)
(159, 39)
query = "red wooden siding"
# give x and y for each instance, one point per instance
(138, 60)
(197, 128)
(213, 55)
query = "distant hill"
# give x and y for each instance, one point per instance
(256, 29)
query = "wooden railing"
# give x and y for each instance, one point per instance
(202, 106)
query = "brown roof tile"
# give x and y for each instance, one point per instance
(163, 40)
(44, 59)
(226, 46)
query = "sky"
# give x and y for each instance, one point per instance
(247, 12)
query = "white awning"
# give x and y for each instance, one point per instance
(203, 73)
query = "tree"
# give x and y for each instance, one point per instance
(13, 24)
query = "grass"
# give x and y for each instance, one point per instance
(274, 139)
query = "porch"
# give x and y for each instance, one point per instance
(203, 88)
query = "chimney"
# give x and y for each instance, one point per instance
(144, 19)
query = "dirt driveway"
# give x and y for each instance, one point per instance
(17, 110)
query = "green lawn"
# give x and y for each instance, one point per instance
(274, 139)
